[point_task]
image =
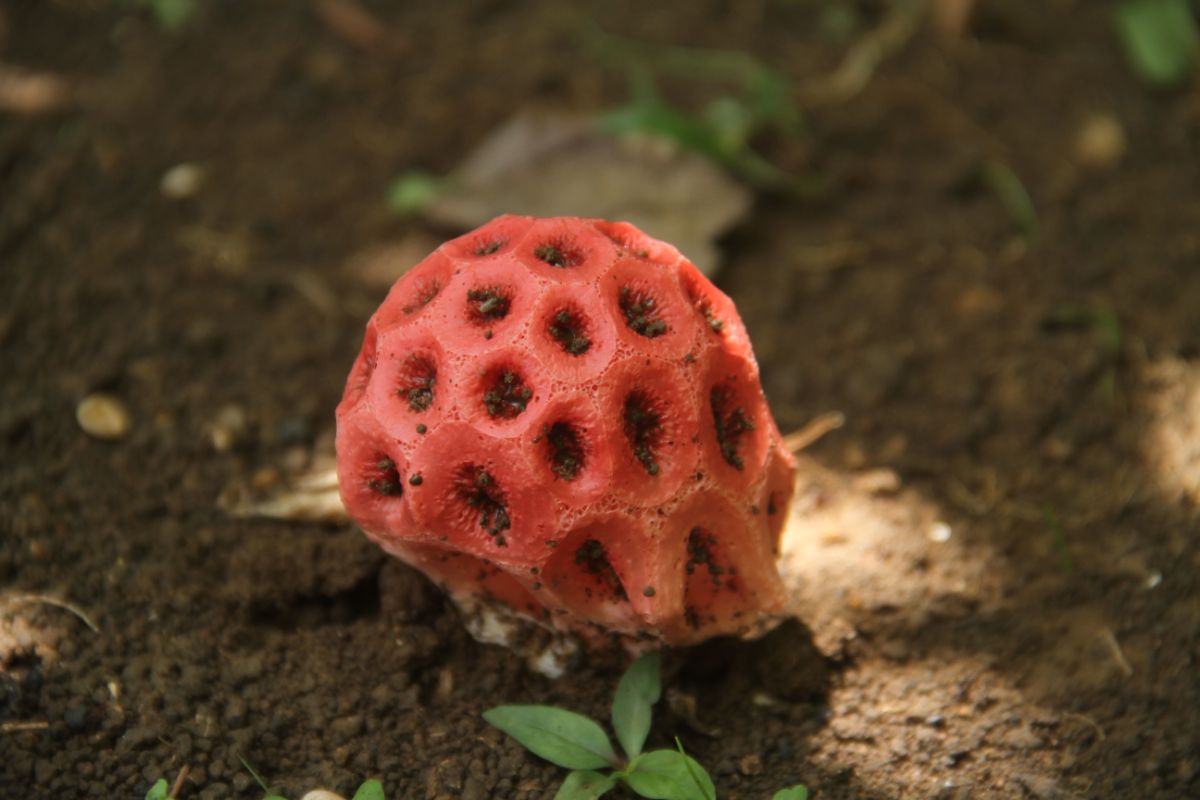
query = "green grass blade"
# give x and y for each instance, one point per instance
(257, 778)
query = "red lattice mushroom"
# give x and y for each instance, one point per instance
(564, 417)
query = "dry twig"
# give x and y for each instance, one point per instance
(1118, 655)
(177, 786)
(866, 54)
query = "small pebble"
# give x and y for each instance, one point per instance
(228, 429)
(445, 684)
(103, 416)
(750, 765)
(76, 718)
(264, 478)
(939, 532)
(181, 181)
(1100, 141)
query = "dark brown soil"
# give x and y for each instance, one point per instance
(997, 555)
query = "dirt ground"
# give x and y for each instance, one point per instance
(996, 556)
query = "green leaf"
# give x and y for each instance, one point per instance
(414, 191)
(370, 790)
(173, 15)
(585, 786)
(797, 792)
(669, 775)
(562, 737)
(638, 691)
(1160, 38)
(1008, 189)
(159, 790)
(699, 774)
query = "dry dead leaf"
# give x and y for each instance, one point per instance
(554, 165)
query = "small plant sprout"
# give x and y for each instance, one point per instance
(579, 744)
(745, 99)
(160, 791)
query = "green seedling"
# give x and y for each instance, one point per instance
(160, 791)
(747, 98)
(579, 744)
(1161, 39)
(741, 99)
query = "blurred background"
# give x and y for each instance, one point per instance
(964, 236)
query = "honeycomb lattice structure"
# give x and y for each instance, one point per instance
(564, 416)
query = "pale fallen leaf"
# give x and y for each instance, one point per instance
(559, 165)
